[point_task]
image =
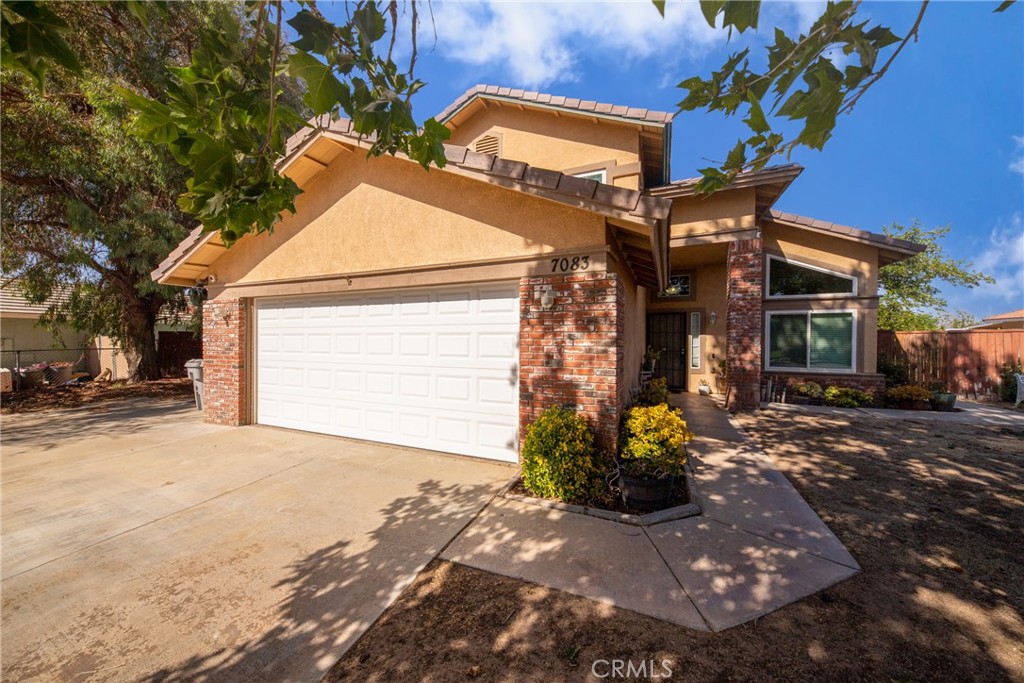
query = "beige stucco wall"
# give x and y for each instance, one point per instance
(843, 256)
(635, 329)
(721, 211)
(554, 142)
(364, 215)
(23, 334)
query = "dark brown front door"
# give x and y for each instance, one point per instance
(666, 332)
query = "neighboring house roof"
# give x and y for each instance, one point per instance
(572, 104)
(616, 203)
(891, 249)
(1005, 317)
(14, 305)
(769, 184)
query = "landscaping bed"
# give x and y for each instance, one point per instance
(609, 501)
(75, 395)
(931, 511)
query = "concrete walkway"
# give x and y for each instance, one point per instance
(757, 546)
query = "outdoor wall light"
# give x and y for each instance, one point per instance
(547, 301)
(713, 317)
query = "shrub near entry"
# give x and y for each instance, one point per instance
(558, 456)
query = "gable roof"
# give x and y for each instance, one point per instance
(770, 182)
(14, 304)
(547, 101)
(199, 249)
(891, 249)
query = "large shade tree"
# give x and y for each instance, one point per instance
(89, 210)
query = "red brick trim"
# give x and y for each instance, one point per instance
(743, 323)
(571, 353)
(224, 366)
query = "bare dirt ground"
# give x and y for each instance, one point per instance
(934, 513)
(73, 396)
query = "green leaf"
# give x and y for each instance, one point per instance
(742, 14)
(1005, 5)
(38, 40)
(710, 10)
(755, 119)
(324, 91)
(660, 6)
(315, 34)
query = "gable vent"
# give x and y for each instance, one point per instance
(488, 144)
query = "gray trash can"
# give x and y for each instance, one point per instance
(194, 368)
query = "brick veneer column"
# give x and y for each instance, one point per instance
(224, 337)
(572, 354)
(743, 323)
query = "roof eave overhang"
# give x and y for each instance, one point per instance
(890, 250)
(620, 204)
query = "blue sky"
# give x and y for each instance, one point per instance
(939, 139)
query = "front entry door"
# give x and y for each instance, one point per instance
(666, 332)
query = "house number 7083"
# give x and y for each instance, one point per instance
(565, 265)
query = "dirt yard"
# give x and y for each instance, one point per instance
(933, 513)
(47, 398)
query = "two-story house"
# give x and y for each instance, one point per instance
(446, 309)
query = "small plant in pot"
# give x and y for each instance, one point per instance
(651, 358)
(651, 455)
(806, 393)
(942, 399)
(909, 397)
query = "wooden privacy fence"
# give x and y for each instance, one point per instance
(968, 361)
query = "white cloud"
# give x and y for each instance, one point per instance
(1017, 163)
(539, 43)
(1003, 259)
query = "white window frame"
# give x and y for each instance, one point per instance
(767, 345)
(602, 174)
(834, 295)
(695, 340)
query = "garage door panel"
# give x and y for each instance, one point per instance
(432, 369)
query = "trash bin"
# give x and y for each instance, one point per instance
(194, 368)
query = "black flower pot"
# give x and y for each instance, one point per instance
(943, 401)
(646, 493)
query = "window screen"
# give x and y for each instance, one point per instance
(791, 279)
(832, 341)
(787, 341)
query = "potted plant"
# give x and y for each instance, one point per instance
(806, 393)
(909, 397)
(651, 455)
(704, 387)
(942, 399)
(651, 359)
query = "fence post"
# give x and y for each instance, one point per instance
(17, 369)
(113, 364)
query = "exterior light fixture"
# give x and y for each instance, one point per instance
(547, 301)
(713, 317)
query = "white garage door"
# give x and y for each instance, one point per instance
(433, 369)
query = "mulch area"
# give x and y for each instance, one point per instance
(73, 396)
(933, 513)
(612, 501)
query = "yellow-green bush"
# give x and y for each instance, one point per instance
(653, 393)
(652, 441)
(558, 456)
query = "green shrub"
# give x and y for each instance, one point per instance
(809, 389)
(1008, 383)
(908, 393)
(842, 397)
(654, 393)
(558, 456)
(651, 441)
(897, 372)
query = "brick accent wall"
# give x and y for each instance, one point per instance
(743, 323)
(224, 371)
(874, 383)
(572, 354)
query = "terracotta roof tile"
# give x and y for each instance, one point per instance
(570, 103)
(1011, 315)
(847, 231)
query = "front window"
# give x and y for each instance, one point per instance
(791, 279)
(811, 340)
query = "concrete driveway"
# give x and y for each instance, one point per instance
(141, 544)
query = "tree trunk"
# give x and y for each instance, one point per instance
(140, 337)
